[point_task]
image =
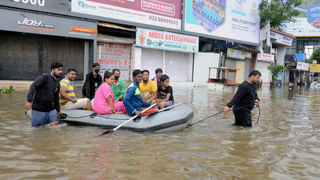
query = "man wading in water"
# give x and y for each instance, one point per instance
(244, 100)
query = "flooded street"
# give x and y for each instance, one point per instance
(283, 145)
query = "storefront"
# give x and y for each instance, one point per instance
(30, 42)
(263, 61)
(302, 73)
(115, 53)
(280, 42)
(170, 51)
(240, 60)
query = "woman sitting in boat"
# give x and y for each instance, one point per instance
(104, 102)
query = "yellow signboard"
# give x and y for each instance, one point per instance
(315, 68)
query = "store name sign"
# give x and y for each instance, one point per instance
(238, 54)
(315, 68)
(266, 57)
(281, 39)
(26, 23)
(148, 38)
(302, 66)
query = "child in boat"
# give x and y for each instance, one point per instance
(104, 102)
(165, 93)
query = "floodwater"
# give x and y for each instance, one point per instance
(283, 145)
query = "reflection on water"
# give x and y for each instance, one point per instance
(284, 145)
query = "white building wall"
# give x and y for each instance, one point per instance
(262, 66)
(202, 62)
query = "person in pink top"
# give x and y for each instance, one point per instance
(104, 102)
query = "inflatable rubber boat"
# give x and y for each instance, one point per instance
(173, 119)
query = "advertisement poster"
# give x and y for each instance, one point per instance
(315, 68)
(163, 13)
(281, 39)
(266, 57)
(238, 54)
(114, 56)
(302, 66)
(236, 20)
(308, 23)
(166, 41)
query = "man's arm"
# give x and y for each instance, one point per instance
(99, 80)
(255, 93)
(38, 82)
(87, 86)
(256, 98)
(236, 98)
(154, 92)
(56, 100)
(126, 101)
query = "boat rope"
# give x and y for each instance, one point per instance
(210, 116)
(259, 114)
(93, 115)
(191, 124)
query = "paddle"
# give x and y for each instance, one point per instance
(131, 119)
(164, 109)
(170, 107)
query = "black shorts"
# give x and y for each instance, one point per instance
(243, 117)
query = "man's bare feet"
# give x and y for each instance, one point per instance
(55, 123)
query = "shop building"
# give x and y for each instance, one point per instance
(31, 40)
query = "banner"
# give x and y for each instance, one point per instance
(308, 23)
(148, 38)
(236, 20)
(46, 25)
(238, 54)
(266, 57)
(300, 56)
(163, 13)
(114, 56)
(39, 5)
(315, 68)
(281, 39)
(302, 66)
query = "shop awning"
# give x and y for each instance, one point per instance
(114, 39)
(113, 26)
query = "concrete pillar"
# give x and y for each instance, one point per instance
(86, 59)
(281, 51)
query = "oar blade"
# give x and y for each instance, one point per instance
(106, 132)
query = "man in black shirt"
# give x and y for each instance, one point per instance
(165, 93)
(93, 81)
(244, 100)
(43, 97)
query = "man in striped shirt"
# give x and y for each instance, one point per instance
(68, 99)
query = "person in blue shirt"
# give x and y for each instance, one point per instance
(133, 99)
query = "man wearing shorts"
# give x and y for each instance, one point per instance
(68, 98)
(43, 97)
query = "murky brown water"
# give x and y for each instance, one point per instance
(284, 145)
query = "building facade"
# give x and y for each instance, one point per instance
(144, 34)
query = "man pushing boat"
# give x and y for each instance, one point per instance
(244, 100)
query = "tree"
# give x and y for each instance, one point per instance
(275, 70)
(315, 56)
(277, 12)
